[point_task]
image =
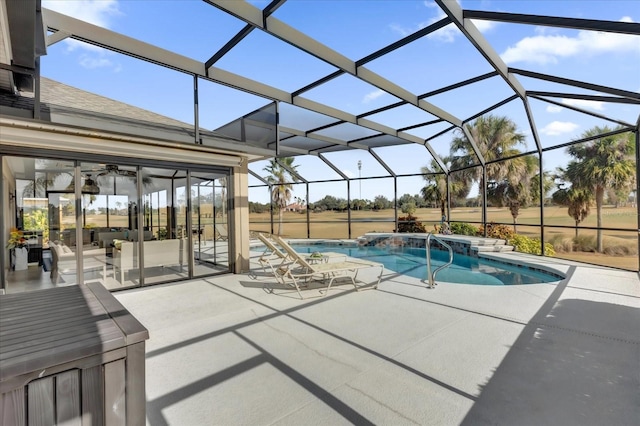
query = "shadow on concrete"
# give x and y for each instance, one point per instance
(578, 364)
(155, 406)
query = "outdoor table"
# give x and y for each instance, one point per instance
(69, 355)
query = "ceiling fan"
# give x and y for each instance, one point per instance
(113, 170)
(90, 186)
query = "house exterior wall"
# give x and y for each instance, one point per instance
(21, 136)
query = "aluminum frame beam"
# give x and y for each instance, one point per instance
(632, 28)
(382, 163)
(272, 7)
(580, 110)
(333, 166)
(110, 40)
(467, 27)
(577, 83)
(292, 172)
(597, 98)
(249, 14)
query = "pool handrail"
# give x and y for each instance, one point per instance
(431, 276)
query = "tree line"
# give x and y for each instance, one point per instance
(601, 169)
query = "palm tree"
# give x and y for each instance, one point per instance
(516, 190)
(496, 137)
(435, 189)
(579, 202)
(547, 184)
(603, 163)
(280, 185)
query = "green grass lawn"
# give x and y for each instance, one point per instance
(334, 225)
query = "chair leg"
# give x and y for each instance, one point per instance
(379, 277)
(295, 282)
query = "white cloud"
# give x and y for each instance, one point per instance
(556, 128)
(582, 103)
(400, 30)
(579, 103)
(97, 12)
(544, 49)
(372, 96)
(484, 26)
(446, 34)
(89, 62)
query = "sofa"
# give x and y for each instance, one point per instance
(105, 239)
(157, 253)
(63, 259)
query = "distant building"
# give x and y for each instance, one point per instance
(295, 207)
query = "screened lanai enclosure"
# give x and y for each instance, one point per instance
(481, 118)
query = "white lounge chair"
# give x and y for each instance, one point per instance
(274, 257)
(271, 255)
(221, 232)
(300, 270)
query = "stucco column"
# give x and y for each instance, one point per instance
(239, 242)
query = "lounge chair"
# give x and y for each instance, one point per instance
(221, 232)
(271, 254)
(300, 270)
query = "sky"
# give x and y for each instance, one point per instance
(355, 29)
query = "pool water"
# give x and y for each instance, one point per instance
(412, 261)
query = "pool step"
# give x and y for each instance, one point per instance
(492, 248)
(481, 242)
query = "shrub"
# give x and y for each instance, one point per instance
(585, 243)
(410, 224)
(501, 232)
(561, 243)
(464, 229)
(525, 244)
(617, 248)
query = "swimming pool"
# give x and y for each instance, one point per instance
(412, 261)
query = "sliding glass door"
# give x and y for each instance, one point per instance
(123, 225)
(109, 203)
(209, 224)
(165, 252)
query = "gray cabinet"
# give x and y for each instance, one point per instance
(70, 355)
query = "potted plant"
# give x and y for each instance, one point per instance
(18, 245)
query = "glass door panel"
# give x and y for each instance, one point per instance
(209, 223)
(54, 180)
(165, 221)
(109, 224)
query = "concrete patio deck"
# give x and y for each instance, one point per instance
(224, 351)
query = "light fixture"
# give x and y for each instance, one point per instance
(360, 177)
(90, 186)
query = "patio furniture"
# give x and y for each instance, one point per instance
(221, 232)
(157, 253)
(63, 259)
(273, 253)
(71, 355)
(299, 271)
